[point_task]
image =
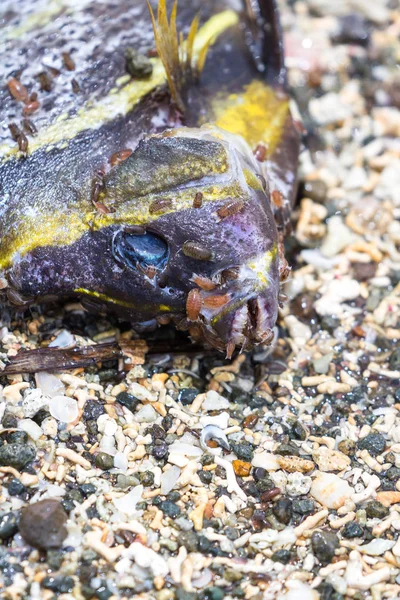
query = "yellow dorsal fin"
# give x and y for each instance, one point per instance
(176, 52)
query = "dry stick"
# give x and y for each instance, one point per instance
(57, 359)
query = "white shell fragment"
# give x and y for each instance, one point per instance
(330, 490)
(64, 409)
(212, 432)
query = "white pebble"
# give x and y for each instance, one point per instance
(266, 461)
(146, 414)
(64, 409)
(127, 503)
(298, 484)
(121, 461)
(169, 479)
(49, 384)
(33, 402)
(214, 401)
(31, 428)
(376, 547)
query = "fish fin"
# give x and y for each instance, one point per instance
(177, 54)
(267, 46)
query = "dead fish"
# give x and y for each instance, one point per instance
(193, 151)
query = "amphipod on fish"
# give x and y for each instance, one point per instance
(159, 184)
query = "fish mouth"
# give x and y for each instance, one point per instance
(234, 320)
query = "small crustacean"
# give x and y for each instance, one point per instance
(162, 188)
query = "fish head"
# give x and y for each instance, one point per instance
(197, 240)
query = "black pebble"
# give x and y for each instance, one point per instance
(16, 455)
(60, 585)
(373, 442)
(324, 544)
(187, 395)
(352, 530)
(8, 525)
(130, 402)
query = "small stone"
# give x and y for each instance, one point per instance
(189, 539)
(303, 507)
(250, 421)
(42, 524)
(54, 559)
(104, 461)
(213, 593)
(352, 530)
(299, 432)
(375, 443)
(394, 360)
(232, 533)
(352, 29)
(146, 478)
(282, 509)
(205, 476)
(376, 510)
(130, 402)
(8, 525)
(330, 460)
(316, 190)
(298, 484)
(17, 437)
(16, 455)
(348, 447)
(187, 395)
(243, 451)
(287, 450)
(137, 65)
(241, 468)
(160, 449)
(282, 556)
(146, 414)
(16, 488)
(60, 585)
(92, 410)
(295, 464)
(324, 544)
(170, 508)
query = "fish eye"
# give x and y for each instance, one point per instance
(143, 250)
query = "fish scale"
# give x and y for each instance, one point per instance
(125, 191)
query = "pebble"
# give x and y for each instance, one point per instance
(146, 414)
(330, 490)
(324, 544)
(241, 468)
(330, 460)
(243, 451)
(283, 510)
(128, 400)
(293, 464)
(376, 510)
(16, 455)
(59, 585)
(352, 530)
(42, 524)
(298, 484)
(187, 395)
(303, 506)
(170, 509)
(375, 443)
(8, 525)
(347, 447)
(64, 409)
(104, 461)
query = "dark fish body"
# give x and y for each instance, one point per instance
(134, 171)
